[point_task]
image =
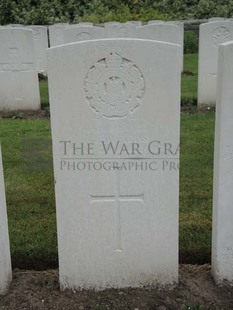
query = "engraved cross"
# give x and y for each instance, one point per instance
(117, 198)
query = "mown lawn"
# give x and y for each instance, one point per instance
(189, 79)
(30, 190)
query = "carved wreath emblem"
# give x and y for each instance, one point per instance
(221, 35)
(114, 86)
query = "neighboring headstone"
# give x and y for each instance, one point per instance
(211, 35)
(40, 36)
(56, 34)
(112, 23)
(5, 257)
(83, 33)
(162, 32)
(15, 25)
(181, 37)
(181, 28)
(155, 21)
(19, 86)
(135, 23)
(118, 30)
(222, 231)
(115, 157)
(81, 24)
(216, 19)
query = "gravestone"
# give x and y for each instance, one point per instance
(40, 36)
(155, 21)
(222, 231)
(15, 25)
(5, 258)
(118, 30)
(180, 25)
(135, 23)
(56, 34)
(181, 29)
(112, 23)
(216, 19)
(82, 24)
(162, 32)
(211, 35)
(115, 161)
(83, 33)
(19, 86)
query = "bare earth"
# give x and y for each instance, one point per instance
(40, 290)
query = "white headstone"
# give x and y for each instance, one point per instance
(117, 210)
(135, 23)
(216, 19)
(81, 24)
(40, 36)
(118, 30)
(5, 257)
(19, 85)
(222, 238)
(211, 35)
(56, 34)
(181, 37)
(15, 25)
(162, 32)
(181, 28)
(83, 33)
(112, 23)
(155, 21)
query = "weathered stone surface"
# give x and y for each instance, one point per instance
(222, 239)
(56, 34)
(83, 33)
(115, 161)
(19, 85)
(40, 36)
(211, 35)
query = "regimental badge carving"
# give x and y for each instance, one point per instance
(221, 35)
(114, 87)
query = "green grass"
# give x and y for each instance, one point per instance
(196, 177)
(188, 87)
(191, 63)
(189, 90)
(189, 79)
(44, 95)
(30, 193)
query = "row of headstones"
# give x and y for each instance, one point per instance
(86, 31)
(216, 31)
(23, 50)
(116, 159)
(19, 55)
